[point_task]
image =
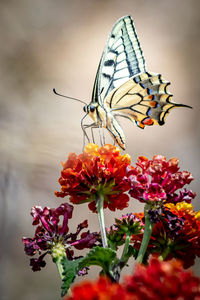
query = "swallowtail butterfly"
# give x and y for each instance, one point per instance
(124, 88)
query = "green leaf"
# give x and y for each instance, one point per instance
(112, 245)
(71, 269)
(132, 252)
(103, 257)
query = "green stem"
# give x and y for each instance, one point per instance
(147, 235)
(127, 241)
(99, 205)
(164, 254)
(58, 253)
(60, 268)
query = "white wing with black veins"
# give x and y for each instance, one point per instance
(122, 58)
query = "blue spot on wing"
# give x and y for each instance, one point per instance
(149, 91)
(149, 111)
(136, 79)
(143, 85)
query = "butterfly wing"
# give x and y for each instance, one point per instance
(144, 99)
(122, 59)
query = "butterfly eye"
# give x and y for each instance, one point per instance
(92, 108)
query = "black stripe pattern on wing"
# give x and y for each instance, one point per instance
(144, 99)
(122, 58)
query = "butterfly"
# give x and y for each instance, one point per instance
(124, 88)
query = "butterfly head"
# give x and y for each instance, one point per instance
(90, 108)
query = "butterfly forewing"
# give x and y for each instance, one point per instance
(122, 58)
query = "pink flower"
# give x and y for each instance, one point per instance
(159, 180)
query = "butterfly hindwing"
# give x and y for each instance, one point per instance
(144, 99)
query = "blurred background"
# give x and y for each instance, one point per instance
(47, 44)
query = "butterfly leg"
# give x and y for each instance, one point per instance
(92, 133)
(102, 137)
(99, 125)
(84, 131)
(101, 134)
(92, 126)
(84, 136)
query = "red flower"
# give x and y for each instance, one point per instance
(187, 242)
(159, 280)
(97, 170)
(176, 234)
(162, 280)
(158, 180)
(103, 289)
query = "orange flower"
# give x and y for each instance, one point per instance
(97, 170)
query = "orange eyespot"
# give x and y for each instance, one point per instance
(147, 121)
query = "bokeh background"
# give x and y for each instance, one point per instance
(47, 44)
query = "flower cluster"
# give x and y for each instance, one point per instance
(96, 171)
(163, 280)
(128, 224)
(168, 228)
(51, 237)
(186, 245)
(104, 171)
(158, 180)
(159, 280)
(177, 234)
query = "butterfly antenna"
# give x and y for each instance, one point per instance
(54, 90)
